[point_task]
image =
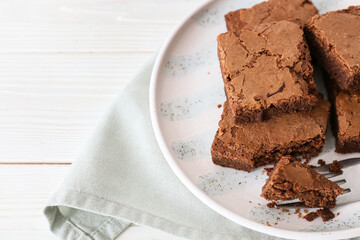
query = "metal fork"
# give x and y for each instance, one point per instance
(348, 179)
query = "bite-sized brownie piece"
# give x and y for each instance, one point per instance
(294, 180)
(267, 71)
(335, 39)
(250, 145)
(298, 11)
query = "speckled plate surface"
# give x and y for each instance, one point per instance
(186, 87)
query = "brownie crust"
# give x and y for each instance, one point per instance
(297, 11)
(291, 180)
(263, 78)
(250, 145)
(334, 37)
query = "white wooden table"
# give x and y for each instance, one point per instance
(62, 62)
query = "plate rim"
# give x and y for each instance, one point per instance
(212, 204)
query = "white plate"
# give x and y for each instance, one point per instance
(186, 87)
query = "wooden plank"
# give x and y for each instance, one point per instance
(88, 26)
(24, 192)
(52, 102)
(66, 74)
(75, 38)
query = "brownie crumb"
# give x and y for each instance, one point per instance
(338, 214)
(311, 216)
(326, 214)
(219, 105)
(321, 162)
(306, 211)
(300, 215)
(307, 159)
(250, 201)
(268, 171)
(271, 205)
(257, 98)
(239, 183)
(335, 167)
(285, 210)
(297, 210)
(267, 223)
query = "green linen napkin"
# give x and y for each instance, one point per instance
(121, 177)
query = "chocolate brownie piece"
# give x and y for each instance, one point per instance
(346, 121)
(298, 11)
(294, 180)
(250, 145)
(264, 78)
(334, 36)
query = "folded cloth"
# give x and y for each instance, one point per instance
(122, 177)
